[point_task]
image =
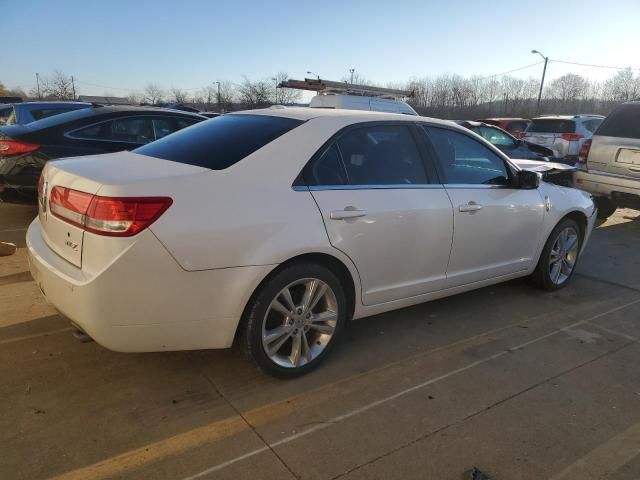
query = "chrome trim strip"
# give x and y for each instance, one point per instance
(316, 188)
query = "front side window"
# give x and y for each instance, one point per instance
(381, 155)
(495, 136)
(465, 161)
(162, 127)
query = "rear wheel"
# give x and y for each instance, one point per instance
(559, 256)
(294, 320)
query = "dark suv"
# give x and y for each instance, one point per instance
(24, 149)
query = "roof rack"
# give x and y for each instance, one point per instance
(330, 87)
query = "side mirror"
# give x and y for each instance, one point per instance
(527, 180)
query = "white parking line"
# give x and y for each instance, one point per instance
(397, 395)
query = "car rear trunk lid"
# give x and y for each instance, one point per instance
(60, 228)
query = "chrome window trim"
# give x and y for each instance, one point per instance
(402, 186)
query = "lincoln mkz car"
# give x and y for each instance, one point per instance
(275, 227)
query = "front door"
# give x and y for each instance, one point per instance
(497, 226)
(380, 209)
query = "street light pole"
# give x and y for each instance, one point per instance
(276, 80)
(219, 109)
(352, 71)
(314, 74)
(544, 72)
(38, 85)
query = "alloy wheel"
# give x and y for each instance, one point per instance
(563, 255)
(299, 323)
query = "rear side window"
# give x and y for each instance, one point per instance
(622, 122)
(382, 155)
(40, 113)
(327, 169)
(127, 130)
(220, 142)
(550, 125)
(6, 115)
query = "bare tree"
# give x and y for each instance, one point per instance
(622, 87)
(16, 92)
(178, 95)
(255, 94)
(286, 95)
(568, 88)
(153, 94)
(135, 98)
(58, 86)
(3, 90)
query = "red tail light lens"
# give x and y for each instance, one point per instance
(13, 147)
(124, 217)
(571, 137)
(116, 217)
(583, 154)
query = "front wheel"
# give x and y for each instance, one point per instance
(559, 256)
(294, 320)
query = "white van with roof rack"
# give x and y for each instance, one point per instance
(342, 95)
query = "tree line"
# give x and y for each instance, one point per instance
(444, 96)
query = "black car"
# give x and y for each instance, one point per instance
(24, 149)
(507, 143)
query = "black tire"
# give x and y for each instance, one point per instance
(250, 331)
(541, 277)
(606, 207)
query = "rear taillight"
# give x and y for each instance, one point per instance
(518, 134)
(571, 137)
(116, 217)
(583, 154)
(13, 147)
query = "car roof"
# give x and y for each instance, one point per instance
(307, 113)
(567, 117)
(52, 102)
(506, 119)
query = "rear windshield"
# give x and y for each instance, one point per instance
(622, 122)
(549, 125)
(61, 118)
(219, 142)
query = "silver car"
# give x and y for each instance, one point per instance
(564, 134)
(611, 163)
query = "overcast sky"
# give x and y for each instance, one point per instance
(119, 46)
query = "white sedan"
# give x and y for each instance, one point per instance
(275, 227)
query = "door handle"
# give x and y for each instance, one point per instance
(470, 207)
(346, 214)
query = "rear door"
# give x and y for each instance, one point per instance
(496, 225)
(615, 146)
(381, 209)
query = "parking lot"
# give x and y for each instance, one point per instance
(516, 382)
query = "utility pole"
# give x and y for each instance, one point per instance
(314, 74)
(38, 85)
(219, 108)
(352, 71)
(276, 80)
(544, 71)
(73, 87)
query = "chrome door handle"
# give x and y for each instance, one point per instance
(346, 214)
(470, 207)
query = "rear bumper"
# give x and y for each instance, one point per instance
(607, 184)
(143, 301)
